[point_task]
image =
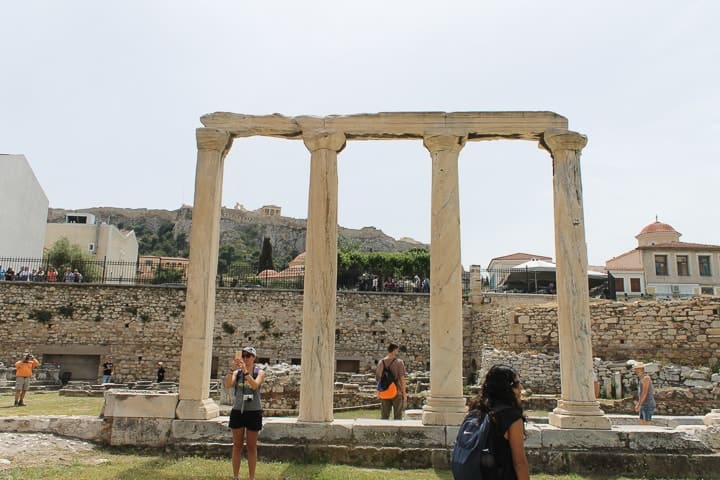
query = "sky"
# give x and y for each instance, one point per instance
(103, 99)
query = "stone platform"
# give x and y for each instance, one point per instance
(685, 451)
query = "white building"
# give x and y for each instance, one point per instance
(115, 251)
(23, 209)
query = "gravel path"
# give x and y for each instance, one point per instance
(25, 449)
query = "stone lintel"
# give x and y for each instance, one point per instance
(204, 409)
(395, 125)
(119, 403)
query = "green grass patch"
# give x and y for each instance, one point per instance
(131, 467)
(50, 404)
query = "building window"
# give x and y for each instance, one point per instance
(706, 290)
(682, 266)
(619, 284)
(704, 264)
(635, 285)
(661, 265)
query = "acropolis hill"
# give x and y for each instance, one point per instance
(287, 234)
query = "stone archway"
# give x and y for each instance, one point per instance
(443, 135)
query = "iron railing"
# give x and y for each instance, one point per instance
(174, 272)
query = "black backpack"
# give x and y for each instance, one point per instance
(386, 377)
(474, 453)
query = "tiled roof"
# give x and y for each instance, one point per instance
(680, 246)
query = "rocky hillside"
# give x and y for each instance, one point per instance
(242, 229)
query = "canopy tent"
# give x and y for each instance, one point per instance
(538, 276)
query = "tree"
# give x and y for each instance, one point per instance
(266, 261)
(63, 254)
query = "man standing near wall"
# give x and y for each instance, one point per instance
(107, 369)
(645, 405)
(397, 368)
(23, 372)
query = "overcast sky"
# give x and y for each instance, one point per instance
(103, 99)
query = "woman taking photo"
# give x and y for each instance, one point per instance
(246, 414)
(500, 398)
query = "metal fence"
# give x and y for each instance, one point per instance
(174, 272)
(538, 281)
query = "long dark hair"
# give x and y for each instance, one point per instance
(497, 389)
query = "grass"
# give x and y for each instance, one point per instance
(131, 467)
(50, 404)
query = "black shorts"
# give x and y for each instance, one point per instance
(251, 420)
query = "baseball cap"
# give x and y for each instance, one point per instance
(250, 350)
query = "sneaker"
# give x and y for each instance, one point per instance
(16, 403)
(21, 404)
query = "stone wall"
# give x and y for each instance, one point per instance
(141, 325)
(685, 332)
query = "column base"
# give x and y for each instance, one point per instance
(575, 414)
(712, 418)
(444, 411)
(197, 409)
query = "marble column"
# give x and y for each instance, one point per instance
(578, 407)
(319, 299)
(445, 405)
(196, 355)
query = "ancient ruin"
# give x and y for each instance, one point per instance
(443, 135)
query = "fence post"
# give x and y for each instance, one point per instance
(104, 267)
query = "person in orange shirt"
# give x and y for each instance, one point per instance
(23, 372)
(51, 275)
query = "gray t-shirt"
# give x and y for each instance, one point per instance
(243, 394)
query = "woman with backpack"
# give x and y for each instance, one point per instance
(500, 399)
(246, 414)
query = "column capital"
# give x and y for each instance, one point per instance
(557, 139)
(213, 139)
(324, 140)
(444, 142)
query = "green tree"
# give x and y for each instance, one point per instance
(63, 254)
(266, 261)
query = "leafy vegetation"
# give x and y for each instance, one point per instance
(266, 261)
(352, 265)
(62, 254)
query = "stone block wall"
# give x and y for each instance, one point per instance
(141, 325)
(686, 332)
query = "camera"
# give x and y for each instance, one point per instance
(248, 397)
(28, 356)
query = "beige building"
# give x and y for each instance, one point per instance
(116, 250)
(149, 265)
(663, 266)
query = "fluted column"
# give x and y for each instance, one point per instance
(319, 299)
(196, 354)
(577, 407)
(445, 405)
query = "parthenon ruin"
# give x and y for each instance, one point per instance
(443, 135)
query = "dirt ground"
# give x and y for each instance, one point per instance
(32, 449)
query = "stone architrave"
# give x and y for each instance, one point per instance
(195, 358)
(445, 404)
(319, 300)
(578, 407)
